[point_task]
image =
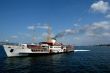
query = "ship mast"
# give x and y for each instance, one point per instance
(49, 34)
(33, 34)
(48, 38)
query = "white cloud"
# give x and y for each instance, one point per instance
(107, 16)
(95, 33)
(38, 26)
(31, 27)
(103, 24)
(100, 6)
(98, 28)
(6, 40)
(43, 27)
(77, 38)
(106, 34)
(76, 25)
(68, 30)
(14, 37)
(91, 34)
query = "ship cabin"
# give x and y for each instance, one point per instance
(46, 46)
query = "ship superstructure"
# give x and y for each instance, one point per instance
(35, 49)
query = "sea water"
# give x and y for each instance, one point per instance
(88, 59)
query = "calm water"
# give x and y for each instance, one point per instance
(95, 60)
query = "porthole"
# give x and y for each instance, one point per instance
(11, 50)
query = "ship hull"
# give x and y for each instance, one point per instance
(14, 51)
(2, 52)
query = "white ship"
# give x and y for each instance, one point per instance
(36, 49)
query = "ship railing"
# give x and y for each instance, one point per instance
(39, 50)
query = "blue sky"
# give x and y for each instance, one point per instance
(88, 17)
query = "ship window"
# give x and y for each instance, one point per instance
(11, 50)
(9, 47)
(22, 46)
(50, 46)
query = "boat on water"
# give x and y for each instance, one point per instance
(52, 47)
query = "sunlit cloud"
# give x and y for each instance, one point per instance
(100, 6)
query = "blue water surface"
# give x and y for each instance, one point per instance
(96, 60)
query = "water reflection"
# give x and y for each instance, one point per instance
(50, 63)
